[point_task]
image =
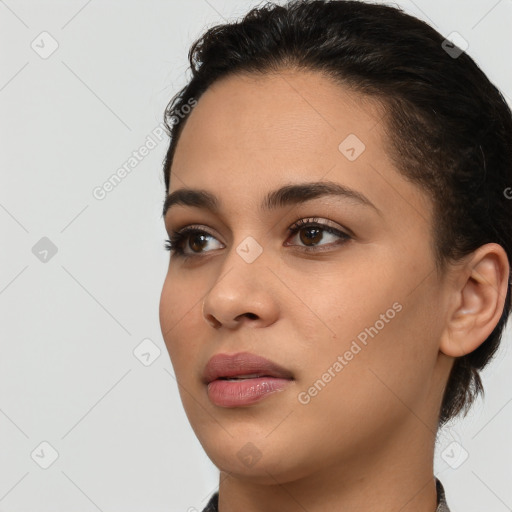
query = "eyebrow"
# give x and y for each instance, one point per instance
(284, 196)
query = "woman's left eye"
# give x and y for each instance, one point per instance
(314, 232)
(310, 231)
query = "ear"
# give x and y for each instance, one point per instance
(478, 300)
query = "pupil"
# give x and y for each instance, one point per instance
(194, 240)
(313, 235)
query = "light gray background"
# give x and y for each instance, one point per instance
(70, 325)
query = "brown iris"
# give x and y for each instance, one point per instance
(315, 235)
(201, 239)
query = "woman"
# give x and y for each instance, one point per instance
(340, 253)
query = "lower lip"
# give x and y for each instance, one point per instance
(226, 393)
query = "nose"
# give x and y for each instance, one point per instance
(243, 294)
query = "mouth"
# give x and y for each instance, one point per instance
(243, 379)
(243, 365)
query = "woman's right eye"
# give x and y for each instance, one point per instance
(188, 237)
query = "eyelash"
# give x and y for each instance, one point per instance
(173, 244)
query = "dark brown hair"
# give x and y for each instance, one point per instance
(450, 127)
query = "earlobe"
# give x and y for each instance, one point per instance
(479, 297)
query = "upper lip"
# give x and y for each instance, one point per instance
(243, 363)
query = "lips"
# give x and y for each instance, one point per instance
(243, 365)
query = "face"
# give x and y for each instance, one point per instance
(348, 301)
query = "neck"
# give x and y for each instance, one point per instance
(395, 476)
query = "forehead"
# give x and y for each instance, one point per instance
(292, 113)
(251, 133)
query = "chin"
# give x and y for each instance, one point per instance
(255, 458)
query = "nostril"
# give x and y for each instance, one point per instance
(213, 321)
(252, 316)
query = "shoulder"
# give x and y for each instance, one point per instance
(442, 506)
(213, 504)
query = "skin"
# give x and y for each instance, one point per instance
(366, 441)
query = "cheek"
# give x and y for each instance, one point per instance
(383, 327)
(180, 322)
(366, 389)
(346, 297)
